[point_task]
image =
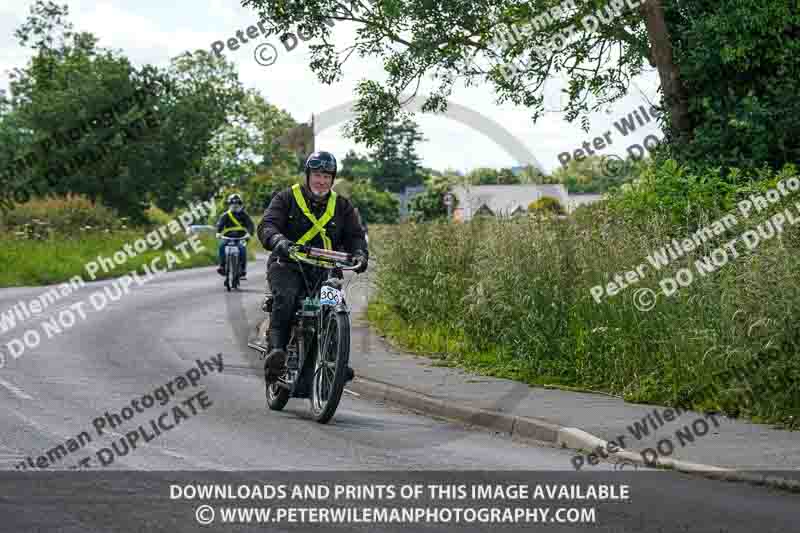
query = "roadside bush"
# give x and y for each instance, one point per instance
(429, 205)
(521, 289)
(546, 203)
(375, 207)
(64, 215)
(157, 216)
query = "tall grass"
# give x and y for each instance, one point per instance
(515, 297)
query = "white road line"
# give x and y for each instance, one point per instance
(193, 460)
(15, 390)
(173, 454)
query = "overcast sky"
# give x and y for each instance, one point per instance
(151, 31)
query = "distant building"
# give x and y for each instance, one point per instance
(405, 198)
(502, 200)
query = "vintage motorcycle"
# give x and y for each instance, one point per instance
(233, 266)
(319, 344)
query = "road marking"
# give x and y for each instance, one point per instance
(353, 393)
(15, 390)
(193, 460)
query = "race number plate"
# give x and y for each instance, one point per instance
(329, 296)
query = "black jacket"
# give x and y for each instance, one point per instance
(226, 222)
(284, 218)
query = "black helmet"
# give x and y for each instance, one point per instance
(321, 161)
(235, 199)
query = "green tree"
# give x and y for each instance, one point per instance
(72, 112)
(594, 175)
(396, 160)
(133, 135)
(208, 96)
(262, 187)
(532, 175)
(374, 206)
(442, 39)
(740, 62)
(727, 68)
(357, 167)
(483, 176)
(243, 146)
(429, 205)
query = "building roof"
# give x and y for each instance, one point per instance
(505, 199)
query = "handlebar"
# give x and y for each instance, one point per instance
(340, 260)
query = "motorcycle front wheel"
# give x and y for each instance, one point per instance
(330, 370)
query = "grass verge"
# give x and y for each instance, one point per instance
(44, 262)
(449, 348)
(540, 300)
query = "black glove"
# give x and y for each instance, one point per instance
(282, 248)
(360, 257)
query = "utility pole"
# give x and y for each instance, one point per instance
(448, 201)
(313, 135)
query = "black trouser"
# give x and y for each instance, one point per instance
(288, 289)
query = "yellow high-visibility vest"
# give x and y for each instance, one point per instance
(238, 225)
(318, 224)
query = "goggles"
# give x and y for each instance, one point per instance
(319, 164)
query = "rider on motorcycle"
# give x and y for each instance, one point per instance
(230, 225)
(314, 215)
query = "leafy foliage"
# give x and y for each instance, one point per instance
(357, 167)
(396, 160)
(429, 205)
(418, 38)
(86, 122)
(262, 187)
(546, 203)
(492, 176)
(589, 175)
(52, 217)
(741, 66)
(244, 146)
(374, 206)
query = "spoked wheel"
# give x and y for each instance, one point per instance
(235, 271)
(331, 367)
(228, 284)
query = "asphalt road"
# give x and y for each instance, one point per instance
(148, 338)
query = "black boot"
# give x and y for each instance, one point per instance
(275, 363)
